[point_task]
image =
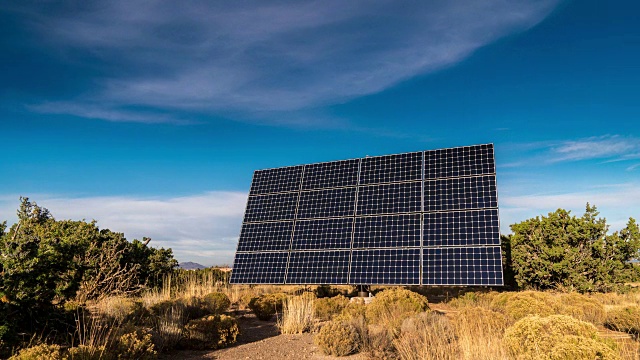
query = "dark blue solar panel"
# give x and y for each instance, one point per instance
(259, 268)
(389, 198)
(460, 193)
(462, 266)
(326, 203)
(276, 180)
(272, 236)
(323, 234)
(475, 227)
(462, 161)
(391, 168)
(387, 231)
(318, 267)
(271, 207)
(370, 215)
(385, 267)
(331, 174)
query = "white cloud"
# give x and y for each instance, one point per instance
(615, 202)
(599, 147)
(263, 59)
(202, 228)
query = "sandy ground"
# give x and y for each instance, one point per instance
(261, 340)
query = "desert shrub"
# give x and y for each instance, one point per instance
(392, 306)
(516, 305)
(326, 308)
(194, 307)
(211, 332)
(378, 343)
(579, 347)
(581, 307)
(266, 306)
(625, 319)
(536, 337)
(338, 338)
(427, 336)
(39, 352)
(245, 299)
(88, 352)
(217, 303)
(136, 346)
(169, 327)
(355, 309)
(297, 314)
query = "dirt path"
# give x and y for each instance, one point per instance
(261, 340)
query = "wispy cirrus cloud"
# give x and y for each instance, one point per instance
(202, 228)
(610, 147)
(262, 59)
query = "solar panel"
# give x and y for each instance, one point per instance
(420, 218)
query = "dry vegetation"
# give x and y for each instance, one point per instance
(397, 324)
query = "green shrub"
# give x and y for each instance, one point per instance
(211, 332)
(266, 306)
(625, 319)
(216, 303)
(338, 338)
(136, 346)
(536, 337)
(326, 308)
(194, 307)
(39, 352)
(392, 306)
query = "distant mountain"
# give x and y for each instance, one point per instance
(191, 266)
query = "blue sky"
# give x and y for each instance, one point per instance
(150, 117)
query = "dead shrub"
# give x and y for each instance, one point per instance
(326, 308)
(625, 319)
(427, 336)
(338, 338)
(211, 332)
(535, 337)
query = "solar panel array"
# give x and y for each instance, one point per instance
(421, 218)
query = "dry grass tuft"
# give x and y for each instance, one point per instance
(297, 314)
(427, 336)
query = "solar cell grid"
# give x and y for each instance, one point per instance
(463, 161)
(389, 198)
(385, 267)
(259, 268)
(462, 266)
(271, 207)
(391, 168)
(387, 231)
(477, 227)
(426, 218)
(460, 193)
(276, 180)
(331, 174)
(318, 267)
(270, 236)
(323, 234)
(326, 203)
